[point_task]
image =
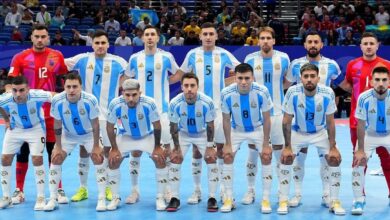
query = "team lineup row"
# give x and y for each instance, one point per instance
(101, 74)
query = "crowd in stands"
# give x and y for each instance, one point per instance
(237, 21)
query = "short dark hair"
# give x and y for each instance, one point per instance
(308, 66)
(380, 69)
(313, 33)
(19, 80)
(39, 27)
(268, 30)
(99, 33)
(368, 34)
(243, 68)
(151, 27)
(207, 25)
(72, 75)
(190, 76)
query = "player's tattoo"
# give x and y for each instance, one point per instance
(287, 133)
(175, 134)
(210, 131)
(58, 131)
(157, 136)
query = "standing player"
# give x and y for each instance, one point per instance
(140, 119)
(356, 81)
(22, 112)
(150, 67)
(328, 71)
(246, 108)
(373, 130)
(192, 115)
(270, 67)
(209, 62)
(101, 74)
(78, 113)
(41, 66)
(312, 106)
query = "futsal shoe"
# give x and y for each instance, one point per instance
(283, 207)
(249, 197)
(5, 202)
(228, 205)
(173, 205)
(40, 204)
(195, 198)
(212, 205)
(18, 197)
(266, 207)
(81, 194)
(336, 208)
(295, 201)
(358, 208)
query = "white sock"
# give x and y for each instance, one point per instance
(358, 183)
(284, 181)
(220, 169)
(134, 171)
(174, 179)
(213, 179)
(228, 175)
(299, 172)
(54, 179)
(168, 164)
(161, 180)
(6, 180)
(40, 180)
(251, 168)
(324, 172)
(197, 172)
(266, 171)
(277, 154)
(334, 181)
(83, 170)
(101, 173)
(114, 177)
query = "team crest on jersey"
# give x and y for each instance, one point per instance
(235, 105)
(67, 112)
(199, 60)
(372, 111)
(217, 60)
(106, 69)
(140, 116)
(258, 67)
(51, 62)
(141, 65)
(322, 71)
(82, 111)
(300, 105)
(90, 67)
(253, 104)
(33, 111)
(388, 111)
(183, 114)
(14, 112)
(199, 114)
(125, 117)
(319, 108)
(158, 66)
(277, 66)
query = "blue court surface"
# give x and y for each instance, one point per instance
(376, 208)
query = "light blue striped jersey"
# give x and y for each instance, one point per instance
(309, 111)
(29, 114)
(246, 109)
(270, 72)
(75, 117)
(152, 73)
(328, 70)
(100, 76)
(192, 118)
(137, 121)
(374, 111)
(210, 68)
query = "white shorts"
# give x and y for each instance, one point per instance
(126, 144)
(14, 139)
(185, 141)
(166, 137)
(219, 136)
(301, 140)
(276, 133)
(103, 133)
(372, 142)
(255, 137)
(69, 142)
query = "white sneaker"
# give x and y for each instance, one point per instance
(114, 204)
(5, 202)
(377, 172)
(266, 207)
(133, 197)
(295, 201)
(167, 195)
(17, 197)
(160, 204)
(51, 205)
(325, 201)
(195, 198)
(228, 205)
(249, 197)
(336, 208)
(40, 204)
(283, 208)
(358, 208)
(101, 205)
(61, 198)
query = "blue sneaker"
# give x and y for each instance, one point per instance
(358, 208)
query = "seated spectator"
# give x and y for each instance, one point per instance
(123, 39)
(77, 41)
(16, 35)
(163, 25)
(360, 7)
(349, 40)
(128, 26)
(142, 24)
(368, 16)
(253, 39)
(222, 40)
(177, 8)
(227, 27)
(43, 17)
(327, 29)
(120, 12)
(193, 26)
(191, 39)
(318, 9)
(342, 32)
(73, 11)
(278, 27)
(27, 17)
(333, 8)
(4, 9)
(177, 40)
(237, 9)
(347, 5)
(64, 8)
(239, 30)
(100, 17)
(137, 40)
(31, 3)
(237, 40)
(112, 25)
(349, 15)
(58, 39)
(223, 15)
(311, 23)
(132, 5)
(13, 17)
(253, 20)
(58, 20)
(86, 38)
(358, 25)
(382, 17)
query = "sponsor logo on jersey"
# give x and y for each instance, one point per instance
(236, 105)
(372, 111)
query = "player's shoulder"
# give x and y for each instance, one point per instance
(89, 97)
(116, 58)
(366, 94)
(137, 54)
(117, 102)
(295, 89)
(52, 51)
(325, 90)
(299, 61)
(253, 55)
(38, 93)
(6, 98)
(204, 98)
(259, 88)
(58, 98)
(281, 54)
(177, 99)
(328, 60)
(147, 100)
(231, 89)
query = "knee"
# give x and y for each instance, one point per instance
(106, 151)
(6, 159)
(333, 162)
(266, 159)
(83, 152)
(210, 158)
(160, 163)
(57, 159)
(195, 153)
(228, 158)
(114, 165)
(136, 153)
(175, 160)
(288, 160)
(97, 159)
(37, 160)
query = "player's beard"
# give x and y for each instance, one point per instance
(313, 54)
(266, 49)
(381, 91)
(310, 87)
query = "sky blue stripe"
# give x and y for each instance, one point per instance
(146, 115)
(132, 114)
(81, 65)
(97, 79)
(38, 107)
(310, 112)
(191, 116)
(325, 104)
(208, 78)
(244, 104)
(166, 66)
(149, 77)
(60, 108)
(114, 77)
(268, 77)
(260, 102)
(295, 104)
(75, 116)
(24, 115)
(381, 114)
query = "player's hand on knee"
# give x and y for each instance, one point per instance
(210, 155)
(359, 158)
(227, 153)
(57, 156)
(176, 155)
(97, 155)
(158, 156)
(333, 157)
(287, 156)
(266, 154)
(114, 158)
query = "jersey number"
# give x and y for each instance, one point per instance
(97, 79)
(133, 125)
(208, 69)
(381, 119)
(42, 72)
(309, 116)
(76, 121)
(245, 114)
(190, 121)
(267, 77)
(149, 75)
(23, 117)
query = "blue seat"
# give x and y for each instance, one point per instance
(5, 38)
(13, 43)
(83, 26)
